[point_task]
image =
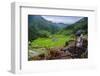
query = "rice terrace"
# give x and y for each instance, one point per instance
(57, 37)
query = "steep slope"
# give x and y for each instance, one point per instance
(38, 26)
(82, 24)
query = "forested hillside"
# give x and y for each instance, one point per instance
(82, 24)
(39, 27)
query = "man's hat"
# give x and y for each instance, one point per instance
(79, 32)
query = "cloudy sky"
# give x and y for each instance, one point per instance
(63, 19)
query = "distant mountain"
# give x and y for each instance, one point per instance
(38, 25)
(62, 25)
(82, 24)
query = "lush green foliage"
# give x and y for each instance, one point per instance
(54, 41)
(39, 27)
(43, 34)
(80, 25)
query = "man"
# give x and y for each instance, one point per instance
(79, 44)
(79, 39)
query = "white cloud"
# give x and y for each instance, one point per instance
(63, 19)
